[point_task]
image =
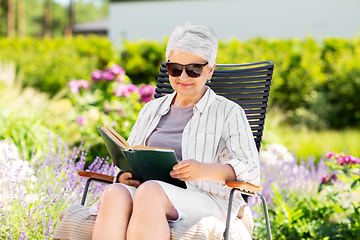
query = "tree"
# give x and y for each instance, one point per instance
(47, 19)
(11, 18)
(21, 18)
(70, 23)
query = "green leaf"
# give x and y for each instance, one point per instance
(355, 184)
(321, 187)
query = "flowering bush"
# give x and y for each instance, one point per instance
(297, 210)
(32, 195)
(109, 98)
(343, 167)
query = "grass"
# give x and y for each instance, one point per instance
(304, 142)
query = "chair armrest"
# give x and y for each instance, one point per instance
(243, 186)
(96, 176)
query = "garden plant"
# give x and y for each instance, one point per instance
(33, 194)
(71, 86)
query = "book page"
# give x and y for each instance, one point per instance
(117, 137)
(125, 145)
(151, 148)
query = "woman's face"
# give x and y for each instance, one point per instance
(184, 85)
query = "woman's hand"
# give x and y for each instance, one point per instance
(192, 171)
(125, 179)
(189, 170)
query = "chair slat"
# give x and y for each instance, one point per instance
(239, 85)
(255, 111)
(241, 79)
(245, 96)
(250, 101)
(242, 74)
(255, 117)
(257, 128)
(257, 134)
(256, 122)
(252, 106)
(241, 90)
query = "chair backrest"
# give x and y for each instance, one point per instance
(246, 84)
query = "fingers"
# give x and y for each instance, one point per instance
(126, 179)
(182, 164)
(183, 176)
(134, 183)
(180, 173)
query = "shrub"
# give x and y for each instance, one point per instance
(142, 59)
(109, 98)
(49, 64)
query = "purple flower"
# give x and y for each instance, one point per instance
(132, 88)
(328, 179)
(329, 154)
(81, 120)
(107, 110)
(354, 159)
(96, 75)
(119, 72)
(333, 177)
(120, 111)
(126, 90)
(147, 93)
(74, 86)
(108, 75)
(324, 178)
(83, 84)
(347, 160)
(116, 69)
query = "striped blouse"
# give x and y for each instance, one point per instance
(218, 132)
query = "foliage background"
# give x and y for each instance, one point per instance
(315, 83)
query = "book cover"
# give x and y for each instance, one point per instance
(145, 163)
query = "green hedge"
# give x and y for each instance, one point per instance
(315, 82)
(50, 64)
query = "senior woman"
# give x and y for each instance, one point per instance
(210, 136)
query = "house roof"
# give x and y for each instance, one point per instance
(100, 25)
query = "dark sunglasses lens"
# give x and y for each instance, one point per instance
(174, 69)
(194, 70)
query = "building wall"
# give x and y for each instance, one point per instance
(242, 19)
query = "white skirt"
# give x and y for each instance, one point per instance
(191, 203)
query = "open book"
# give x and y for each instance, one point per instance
(144, 162)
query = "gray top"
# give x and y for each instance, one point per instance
(168, 133)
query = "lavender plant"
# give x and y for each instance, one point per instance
(33, 194)
(280, 169)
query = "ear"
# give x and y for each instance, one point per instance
(211, 72)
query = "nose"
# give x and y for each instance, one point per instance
(183, 74)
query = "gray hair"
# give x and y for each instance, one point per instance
(193, 39)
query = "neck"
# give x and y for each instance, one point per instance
(186, 101)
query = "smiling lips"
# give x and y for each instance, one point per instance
(185, 84)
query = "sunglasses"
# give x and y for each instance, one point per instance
(193, 70)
